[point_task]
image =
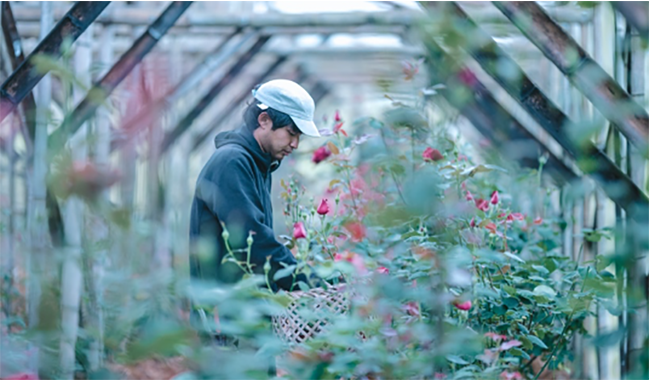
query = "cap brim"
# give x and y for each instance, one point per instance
(306, 127)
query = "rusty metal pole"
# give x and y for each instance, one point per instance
(205, 101)
(101, 90)
(24, 78)
(15, 49)
(582, 71)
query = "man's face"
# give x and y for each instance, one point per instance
(280, 142)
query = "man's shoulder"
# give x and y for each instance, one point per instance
(231, 152)
(227, 157)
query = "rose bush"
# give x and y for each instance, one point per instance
(451, 277)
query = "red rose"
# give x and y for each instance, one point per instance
(431, 154)
(321, 154)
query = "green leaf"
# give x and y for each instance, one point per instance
(456, 359)
(537, 341)
(495, 167)
(541, 269)
(519, 352)
(527, 344)
(612, 307)
(525, 293)
(588, 4)
(550, 264)
(44, 64)
(609, 339)
(284, 272)
(512, 256)
(376, 124)
(510, 302)
(509, 289)
(522, 328)
(545, 291)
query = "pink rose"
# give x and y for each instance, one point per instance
(494, 197)
(482, 204)
(383, 270)
(22, 376)
(463, 306)
(323, 209)
(299, 231)
(357, 230)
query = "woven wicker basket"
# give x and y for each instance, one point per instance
(292, 328)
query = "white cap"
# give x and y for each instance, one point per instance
(290, 98)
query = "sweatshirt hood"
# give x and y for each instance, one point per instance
(243, 136)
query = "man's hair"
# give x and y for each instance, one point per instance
(279, 119)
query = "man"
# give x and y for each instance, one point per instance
(234, 186)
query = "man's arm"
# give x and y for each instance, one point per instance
(230, 193)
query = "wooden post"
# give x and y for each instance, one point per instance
(98, 227)
(73, 211)
(638, 267)
(37, 223)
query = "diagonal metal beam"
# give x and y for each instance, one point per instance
(25, 77)
(198, 141)
(636, 13)
(218, 57)
(492, 58)
(101, 90)
(17, 56)
(475, 102)
(590, 159)
(582, 71)
(319, 92)
(205, 101)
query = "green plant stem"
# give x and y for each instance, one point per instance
(500, 269)
(491, 280)
(477, 268)
(248, 253)
(351, 191)
(562, 338)
(396, 183)
(268, 282)
(412, 145)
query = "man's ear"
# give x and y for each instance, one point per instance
(264, 121)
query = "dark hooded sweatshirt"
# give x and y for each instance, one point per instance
(234, 188)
